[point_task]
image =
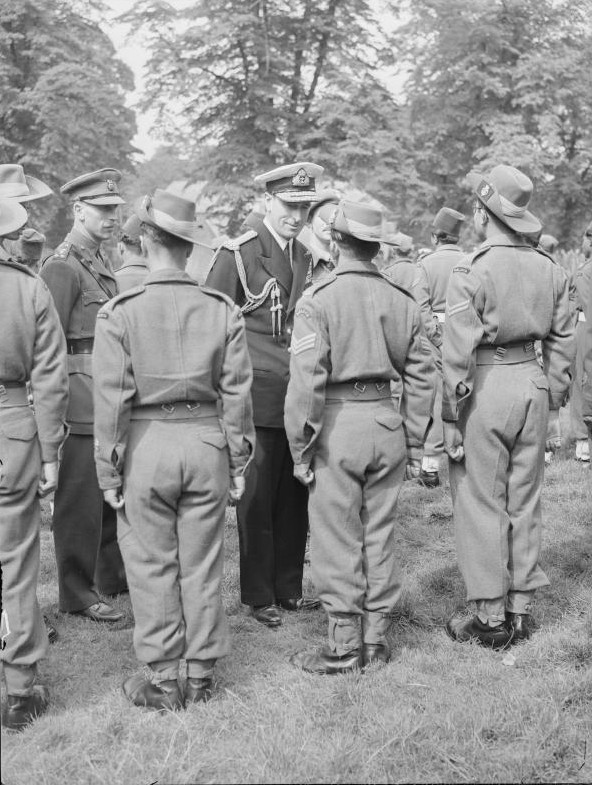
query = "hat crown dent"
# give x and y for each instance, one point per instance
(362, 214)
(171, 213)
(15, 184)
(176, 207)
(12, 179)
(512, 184)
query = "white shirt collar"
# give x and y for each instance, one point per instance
(281, 241)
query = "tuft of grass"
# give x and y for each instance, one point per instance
(438, 712)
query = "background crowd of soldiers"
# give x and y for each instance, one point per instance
(302, 383)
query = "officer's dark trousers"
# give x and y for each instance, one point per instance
(272, 524)
(84, 531)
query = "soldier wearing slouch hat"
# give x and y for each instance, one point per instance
(170, 357)
(496, 404)
(355, 332)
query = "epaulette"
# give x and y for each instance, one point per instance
(215, 293)
(396, 286)
(317, 285)
(18, 266)
(234, 245)
(61, 252)
(471, 258)
(133, 292)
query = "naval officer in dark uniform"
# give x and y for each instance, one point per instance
(264, 271)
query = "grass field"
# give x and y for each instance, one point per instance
(439, 712)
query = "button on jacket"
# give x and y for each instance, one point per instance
(505, 294)
(81, 281)
(139, 362)
(263, 259)
(357, 325)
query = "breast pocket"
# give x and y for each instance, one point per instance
(17, 431)
(92, 300)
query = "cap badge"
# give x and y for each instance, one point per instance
(110, 185)
(301, 178)
(485, 190)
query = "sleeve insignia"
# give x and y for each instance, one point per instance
(102, 315)
(458, 308)
(300, 345)
(460, 269)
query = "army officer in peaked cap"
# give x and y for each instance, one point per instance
(169, 356)
(264, 271)
(355, 332)
(81, 280)
(496, 401)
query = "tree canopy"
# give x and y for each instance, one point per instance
(244, 86)
(399, 98)
(503, 81)
(63, 92)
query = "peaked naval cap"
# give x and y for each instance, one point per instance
(292, 182)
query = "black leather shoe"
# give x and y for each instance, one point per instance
(198, 689)
(101, 611)
(142, 692)
(300, 604)
(429, 479)
(52, 633)
(375, 652)
(20, 711)
(523, 625)
(493, 637)
(267, 614)
(325, 662)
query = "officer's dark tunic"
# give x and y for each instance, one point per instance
(84, 528)
(272, 515)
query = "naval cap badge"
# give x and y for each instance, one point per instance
(301, 177)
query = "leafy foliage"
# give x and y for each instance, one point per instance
(242, 87)
(63, 96)
(503, 81)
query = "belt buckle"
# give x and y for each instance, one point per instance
(169, 408)
(359, 388)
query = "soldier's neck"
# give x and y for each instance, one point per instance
(160, 258)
